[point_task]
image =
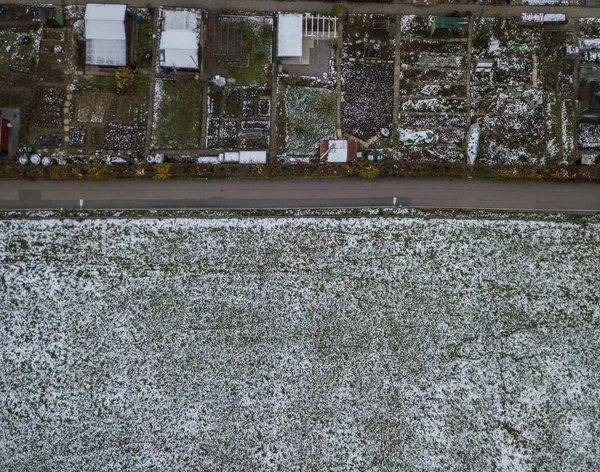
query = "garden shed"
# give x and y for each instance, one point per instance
(105, 35)
(245, 157)
(570, 50)
(179, 41)
(589, 43)
(484, 66)
(289, 35)
(50, 16)
(338, 150)
(449, 23)
(537, 19)
(4, 129)
(589, 99)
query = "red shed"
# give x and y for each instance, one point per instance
(4, 135)
(338, 150)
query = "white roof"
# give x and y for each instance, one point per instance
(533, 17)
(338, 150)
(103, 21)
(179, 39)
(231, 156)
(106, 52)
(472, 142)
(484, 65)
(180, 48)
(210, 159)
(591, 43)
(253, 157)
(245, 157)
(554, 17)
(105, 11)
(105, 40)
(289, 35)
(180, 20)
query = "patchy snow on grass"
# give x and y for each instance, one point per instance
(513, 140)
(427, 60)
(437, 105)
(269, 344)
(567, 110)
(433, 121)
(414, 136)
(177, 110)
(415, 26)
(310, 116)
(545, 2)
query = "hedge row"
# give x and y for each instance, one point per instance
(298, 171)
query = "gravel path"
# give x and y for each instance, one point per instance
(395, 8)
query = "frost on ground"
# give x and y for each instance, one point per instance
(310, 116)
(589, 135)
(50, 109)
(295, 344)
(118, 136)
(367, 98)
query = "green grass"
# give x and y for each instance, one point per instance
(560, 117)
(310, 116)
(98, 83)
(143, 46)
(258, 43)
(177, 115)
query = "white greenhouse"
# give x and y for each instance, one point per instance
(105, 36)
(179, 40)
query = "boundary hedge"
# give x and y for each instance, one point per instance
(299, 171)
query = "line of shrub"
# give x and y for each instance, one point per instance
(298, 171)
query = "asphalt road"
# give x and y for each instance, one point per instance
(432, 193)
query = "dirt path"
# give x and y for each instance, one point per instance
(468, 78)
(396, 106)
(150, 116)
(338, 88)
(395, 8)
(274, 85)
(576, 64)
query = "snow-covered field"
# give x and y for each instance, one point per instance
(299, 344)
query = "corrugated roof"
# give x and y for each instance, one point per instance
(338, 150)
(289, 35)
(451, 22)
(246, 157)
(253, 157)
(231, 156)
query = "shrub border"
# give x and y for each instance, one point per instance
(363, 169)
